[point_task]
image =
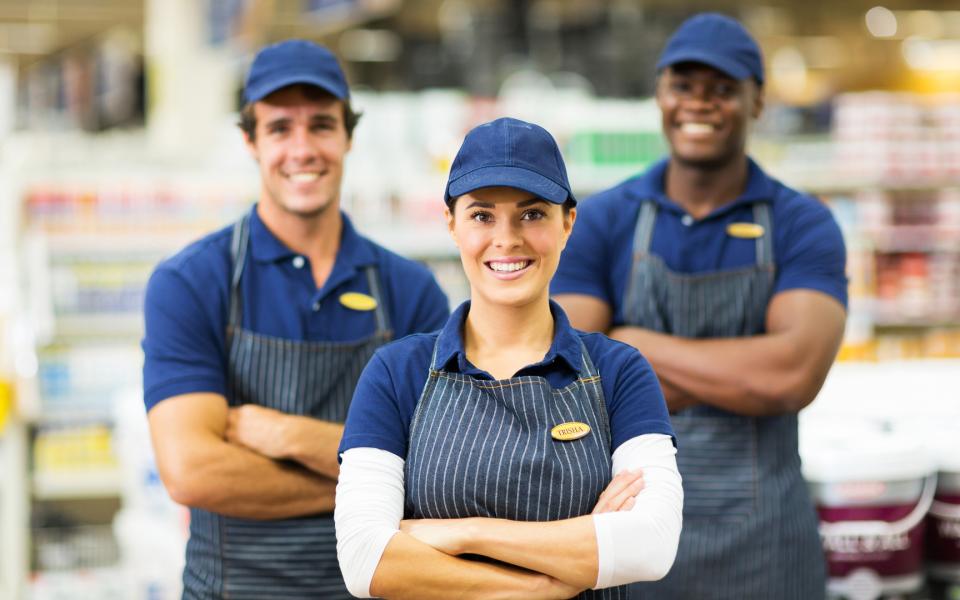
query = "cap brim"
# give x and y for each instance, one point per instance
(711, 59)
(515, 177)
(328, 85)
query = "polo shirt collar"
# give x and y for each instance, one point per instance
(650, 186)
(452, 356)
(355, 251)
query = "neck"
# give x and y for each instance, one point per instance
(494, 333)
(316, 236)
(700, 190)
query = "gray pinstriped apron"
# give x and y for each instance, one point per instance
(243, 559)
(749, 526)
(481, 448)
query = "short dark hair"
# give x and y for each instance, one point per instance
(568, 204)
(248, 118)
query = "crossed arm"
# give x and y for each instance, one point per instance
(248, 462)
(630, 536)
(777, 372)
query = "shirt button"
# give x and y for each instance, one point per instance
(298, 262)
(316, 306)
(686, 220)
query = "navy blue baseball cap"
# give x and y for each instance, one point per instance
(291, 62)
(717, 41)
(512, 153)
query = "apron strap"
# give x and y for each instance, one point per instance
(380, 312)
(238, 256)
(644, 231)
(589, 370)
(761, 216)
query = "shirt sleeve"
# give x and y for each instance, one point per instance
(375, 418)
(635, 402)
(813, 253)
(183, 344)
(640, 544)
(433, 309)
(369, 507)
(584, 264)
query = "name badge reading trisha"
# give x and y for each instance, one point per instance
(745, 230)
(358, 301)
(567, 432)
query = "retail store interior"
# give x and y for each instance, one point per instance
(119, 145)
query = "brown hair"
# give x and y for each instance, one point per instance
(248, 118)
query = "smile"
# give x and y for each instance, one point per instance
(697, 128)
(303, 177)
(509, 268)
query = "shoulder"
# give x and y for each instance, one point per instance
(198, 264)
(794, 210)
(407, 356)
(398, 267)
(610, 357)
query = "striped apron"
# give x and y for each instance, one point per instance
(481, 448)
(239, 559)
(749, 526)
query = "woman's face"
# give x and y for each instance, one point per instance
(510, 243)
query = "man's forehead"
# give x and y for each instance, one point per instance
(691, 68)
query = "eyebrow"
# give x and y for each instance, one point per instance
(521, 204)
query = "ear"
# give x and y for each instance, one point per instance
(448, 215)
(758, 102)
(251, 146)
(568, 220)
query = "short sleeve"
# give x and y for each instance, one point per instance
(812, 252)
(375, 418)
(632, 393)
(432, 309)
(584, 264)
(183, 344)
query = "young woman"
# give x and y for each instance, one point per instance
(507, 455)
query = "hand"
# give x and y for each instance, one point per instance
(258, 428)
(621, 493)
(446, 535)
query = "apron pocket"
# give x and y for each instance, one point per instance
(717, 458)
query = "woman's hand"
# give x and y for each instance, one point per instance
(446, 535)
(621, 494)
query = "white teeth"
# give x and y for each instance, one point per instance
(508, 267)
(303, 177)
(696, 128)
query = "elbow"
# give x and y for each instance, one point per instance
(783, 392)
(183, 482)
(659, 568)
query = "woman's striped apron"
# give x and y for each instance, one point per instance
(245, 559)
(482, 448)
(749, 526)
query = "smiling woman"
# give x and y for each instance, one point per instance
(507, 455)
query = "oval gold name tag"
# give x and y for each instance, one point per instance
(566, 432)
(358, 301)
(745, 230)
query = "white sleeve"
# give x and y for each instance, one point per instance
(369, 507)
(641, 544)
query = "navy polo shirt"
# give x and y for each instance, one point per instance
(188, 299)
(808, 246)
(389, 388)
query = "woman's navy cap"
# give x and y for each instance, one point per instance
(291, 62)
(512, 153)
(717, 41)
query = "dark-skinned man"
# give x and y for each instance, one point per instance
(733, 287)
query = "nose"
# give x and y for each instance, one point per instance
(302, 147)
(507, 234)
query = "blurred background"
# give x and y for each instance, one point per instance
(118, 145)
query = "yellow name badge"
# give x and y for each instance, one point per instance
(358, 301)
(567, 432)
(745, 230)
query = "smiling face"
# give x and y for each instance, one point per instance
(706, 114)
(300, 145)
(510, 243)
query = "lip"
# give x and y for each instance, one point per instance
(509, 275)
(697, 129)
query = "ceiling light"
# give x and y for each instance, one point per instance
(881, 22)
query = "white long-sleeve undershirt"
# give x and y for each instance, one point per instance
(635, 545)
